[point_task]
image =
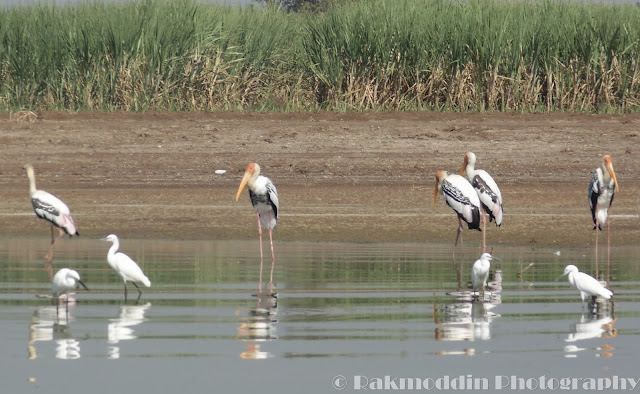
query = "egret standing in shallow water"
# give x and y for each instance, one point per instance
(587, 285)
(488, 193)
(460, 196)
(124, 266)
(480, 272)
(602, 187)
(264, 198)
(52, 209)
(64, 281)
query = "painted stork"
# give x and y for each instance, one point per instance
(125, 266)
(602, 187)
(264, 198)
(488, 192)
(587, 285)
(64, 281)
(460, 196)
(52, 209)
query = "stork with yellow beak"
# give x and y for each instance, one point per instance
(264, 198)
(602, 187)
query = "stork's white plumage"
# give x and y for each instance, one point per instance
(461, 197)
(264, 198)
(52, 209)
(487, 190)
(128, 269)
(587, 285)
(602, 188)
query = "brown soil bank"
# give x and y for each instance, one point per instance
(349, 177)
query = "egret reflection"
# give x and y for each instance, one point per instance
(122, 327)
(590, 327)
(258, 324)
(49, 324)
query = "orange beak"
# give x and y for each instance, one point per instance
(243, 183)
(464, 166)
(609, 166)
(435, 192)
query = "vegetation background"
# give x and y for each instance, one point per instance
(356, 55)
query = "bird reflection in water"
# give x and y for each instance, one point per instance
(121, 328)
(591, 326)
(469, 318)
(51, 324)
(258, 325)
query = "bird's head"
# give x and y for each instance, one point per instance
(110, 238)
(568, 269)
(251, 172)
(469, 159)
(608, 165)
(440, 176)
(76, 276)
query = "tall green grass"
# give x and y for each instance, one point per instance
(474, 55)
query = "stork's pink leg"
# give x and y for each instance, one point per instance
(459, 234)
(49, 256)
(608, 251)
(273, 257)
(484, 229)
(261, 258)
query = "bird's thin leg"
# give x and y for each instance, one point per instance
(597, 230)
(125, 292)
(484, 230)
(66, 304)
(608, 251)
(139, 292)
(459, 233)
(261, 256)
(273, 257)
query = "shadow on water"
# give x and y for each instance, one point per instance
(341, 310)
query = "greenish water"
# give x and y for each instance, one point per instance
(358, 311)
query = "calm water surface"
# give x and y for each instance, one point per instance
(358, 311)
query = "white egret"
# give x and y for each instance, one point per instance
(264, 198)
(125, 266)
(64, 281)
(460, 196)
(587, 285)
(480, 272)
(52, 209)
(488, 193)
(602, 187)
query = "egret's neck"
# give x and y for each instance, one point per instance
(114, 248)
(32, 181)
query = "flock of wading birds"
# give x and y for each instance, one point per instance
(471, 196)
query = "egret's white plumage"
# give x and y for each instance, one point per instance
(128, 269)
(52, 209)
(480, 272)
(264, 198)
(461, 197)
(64, 281)
(587, 285)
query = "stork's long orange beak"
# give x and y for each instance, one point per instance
(435, 192)
(609, 166)
(464, 166)
(243, 183)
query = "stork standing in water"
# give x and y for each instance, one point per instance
(52, 209)
(264, 198)
(602, 187)
(460, 196)
(488, 193)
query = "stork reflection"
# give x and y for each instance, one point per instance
(257, 325)
(122, 327)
